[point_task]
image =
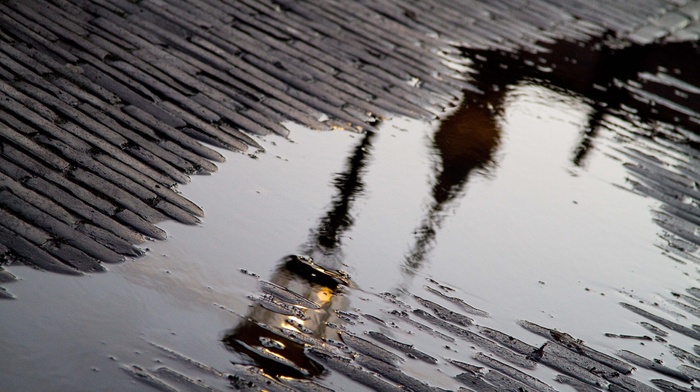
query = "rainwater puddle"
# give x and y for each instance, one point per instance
(509, 205)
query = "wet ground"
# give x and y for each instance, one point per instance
(566, 187)
(551, 197)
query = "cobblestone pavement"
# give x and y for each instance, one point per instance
(104, 103)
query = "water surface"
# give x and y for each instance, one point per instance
(519, 204)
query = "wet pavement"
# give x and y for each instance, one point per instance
(418, 255)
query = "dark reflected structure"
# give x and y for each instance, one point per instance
(593, 72)
(652, 87)
(647, 86)
(305, 291)
(464, 144)
(325, 244)
(647, 100)
(276, 329)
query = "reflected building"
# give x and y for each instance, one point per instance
(646, 101)
(595, 73)
(644, 85)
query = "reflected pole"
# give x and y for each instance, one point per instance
(304, 293)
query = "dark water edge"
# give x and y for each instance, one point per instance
(550, 198)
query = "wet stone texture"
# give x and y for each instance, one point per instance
(107, 105)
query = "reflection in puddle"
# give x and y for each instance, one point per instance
(464, 143)
(299, 303)
(645, 95)
(307, 289)
(605, 96)
(325, 245)
(507, 207)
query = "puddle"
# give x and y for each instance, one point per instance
(520, 205)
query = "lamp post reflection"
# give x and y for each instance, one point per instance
(304, 292)
(464, 143)
(592, 72)
(275, 331)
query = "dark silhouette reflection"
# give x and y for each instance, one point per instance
(464, 143)
(275, 331)
(612, 79)
(303, 296)
(325, 245)
(654, 88)
(599, 73)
